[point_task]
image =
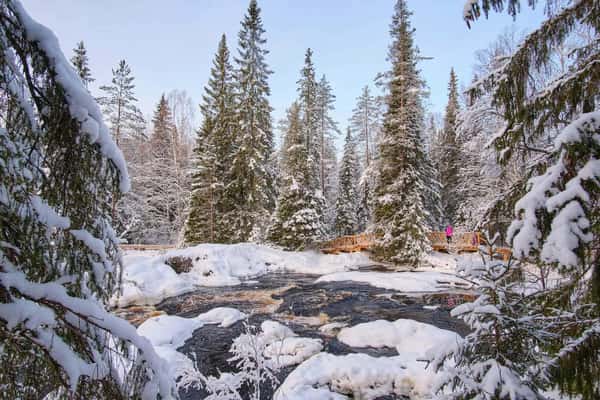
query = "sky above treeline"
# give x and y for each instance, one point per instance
(171, 44)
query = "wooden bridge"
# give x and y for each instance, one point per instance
(147, 246)
(460, 243)
(464, 242)
(348, 244)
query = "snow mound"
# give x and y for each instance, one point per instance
(419, 281)
(283, 347)
(167, 333)
(326, 376)
(148, 280)
(442, 261)
(412, 339)
(329, 377)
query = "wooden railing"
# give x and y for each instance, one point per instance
(147, 246)
(467, 241)
(349, 243)
(464, 242)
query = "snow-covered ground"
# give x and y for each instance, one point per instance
(147, 279)
(406, 282)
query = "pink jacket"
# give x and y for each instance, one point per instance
(449, 230)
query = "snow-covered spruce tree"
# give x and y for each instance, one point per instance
(557, 219)
(119, 104)
(346, 204)
(80, 62)
(307, 101)
(298, 220)
(497, 360)
(161, 185)
(252, 186)
(212, 156)
(432, 194)
(449, 154)
(558, 225)
(59, 261)
(327, 129)
(365, 124)
(399, 215)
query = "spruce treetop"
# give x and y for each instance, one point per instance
(80, 62)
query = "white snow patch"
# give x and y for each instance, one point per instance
(326, 376)
(283, 347)
(331, 328)
(409, 282)
(441, 261)
(413, 340)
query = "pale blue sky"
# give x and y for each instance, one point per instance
(171, 44)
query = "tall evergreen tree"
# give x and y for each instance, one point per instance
(346, 222)
(163, 130)
(307, 100)
(59, 259)
(327, 129)
(80, 62)
(298, 220)
(119, 104)
(399, 214)
(449, 154)
(213, 155)
(159, 187)
(251, 188)
(366, 123)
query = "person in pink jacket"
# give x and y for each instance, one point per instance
(449, 232)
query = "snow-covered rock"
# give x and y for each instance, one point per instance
(412, 339)
(283, 347)
(327, 376)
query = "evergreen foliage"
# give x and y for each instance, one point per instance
(307, 100)
(399, 214)
(161, 184)
(119, 104)
(327, 129)
(449, 154)
(251, 188)
(345, 206)
(298, 220)
(497, 360)
(212, 157)
(556, 222)
(366, 124)
(60, 172)
(80, 62)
